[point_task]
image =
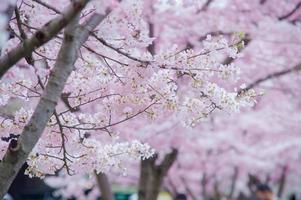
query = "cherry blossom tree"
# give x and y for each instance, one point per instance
(267, 38)
(72, 79)
(227, 154)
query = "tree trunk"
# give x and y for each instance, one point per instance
(217, 194)
(171, 188)
(152, 175)
(252, 182)
(104, 186)
(282, 182)
(188, 190)
(19, 150)
(233, 184)
(204, 185)
(268, 178)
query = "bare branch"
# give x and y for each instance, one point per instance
(291, 12)
(23, 35)
(168, 160)
(47, 6)
(270, 76)
(118, 50)
(205, 6)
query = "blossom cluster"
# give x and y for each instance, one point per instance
(97, 157)
(115, 80)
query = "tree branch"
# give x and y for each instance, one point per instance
(246, 41)
(18, 152)
(47, 6)
(270, 76)
(205, 6)
(23, 35)
(291, 12)
(42, 36)
(167, 162)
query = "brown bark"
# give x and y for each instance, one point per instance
(152, 175)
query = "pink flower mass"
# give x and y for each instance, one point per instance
(216, 81)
